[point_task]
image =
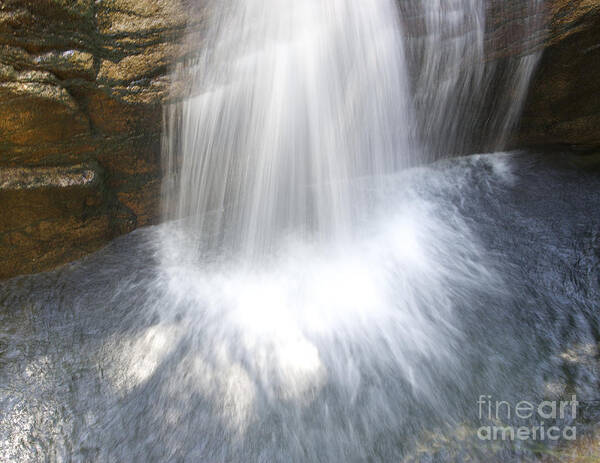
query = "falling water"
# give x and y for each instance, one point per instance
(465, 100)
(290, 101)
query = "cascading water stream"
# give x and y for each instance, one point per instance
(465, 101)
(292, 101)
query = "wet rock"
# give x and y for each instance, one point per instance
(564, 100)
(52, 215)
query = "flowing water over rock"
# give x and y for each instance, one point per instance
(290, 100)
(462, 98)
(313, 298)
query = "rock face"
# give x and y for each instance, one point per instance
(82, 83)
(564, 99)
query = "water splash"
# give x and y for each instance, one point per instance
(332, 339)
(374, 348)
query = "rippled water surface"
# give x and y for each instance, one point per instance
(476, 276)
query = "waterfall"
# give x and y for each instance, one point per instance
(289, 102)
(464, 99)
(313, 273)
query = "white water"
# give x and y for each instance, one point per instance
(309, 303)
(320, 350)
